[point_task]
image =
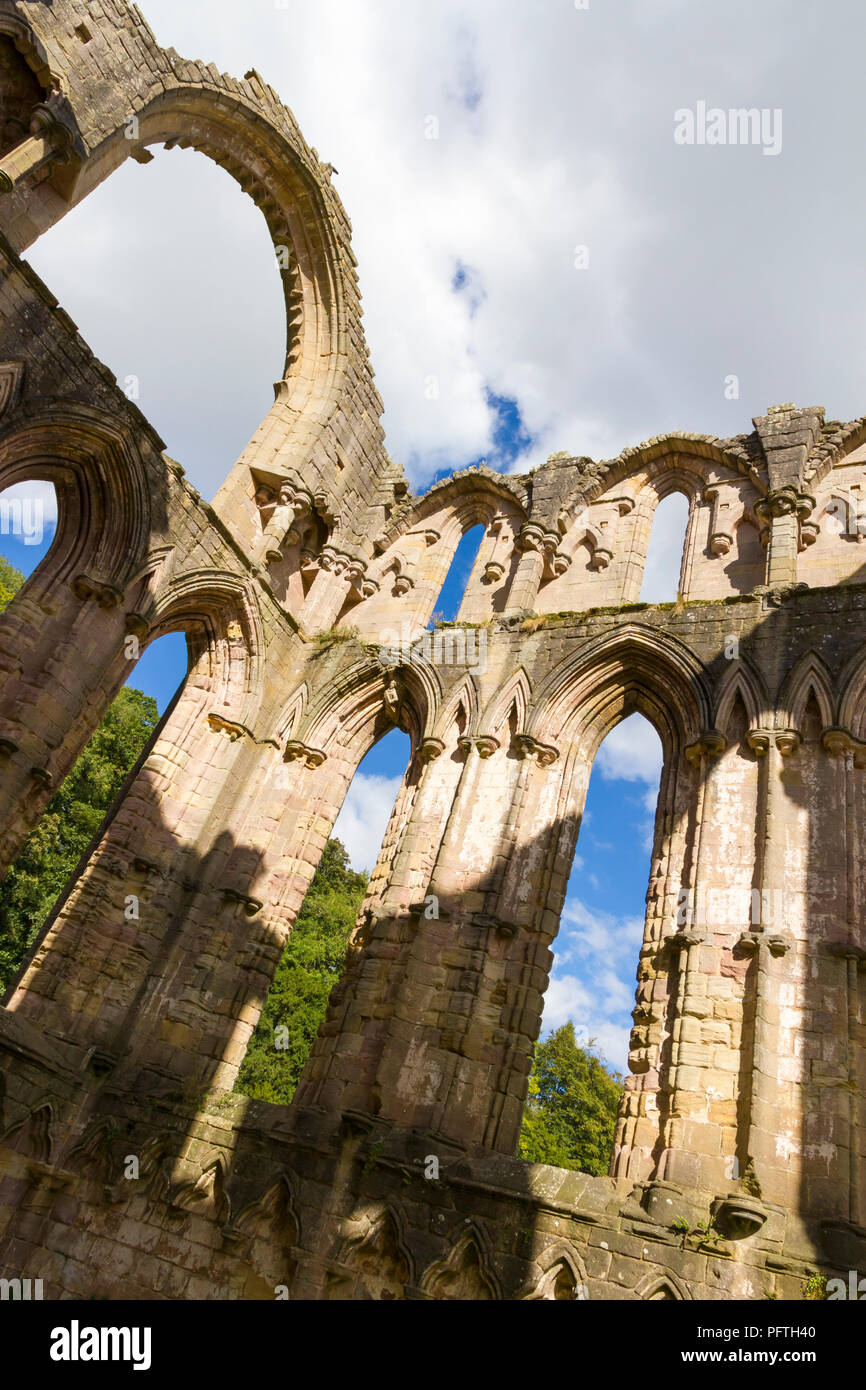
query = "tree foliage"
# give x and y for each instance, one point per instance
(572, 1106)
(51, 852)
(11, 580)
(310, 967)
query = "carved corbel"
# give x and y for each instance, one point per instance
(530, 537)
(431, 748)
(250, 907)
(838, 741)
(295, 751)
(494, 569)
(788, 501)
(526, 746)
(709, 745)
(86, 586)
(760, 740)
(724, 519)
(776, 944)
(485, 745)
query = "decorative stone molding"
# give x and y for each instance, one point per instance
(296, 751)
(788, 501)
(526, 746)
(11, 382)
(838, 741)
(86, 586)
(431, 748)
(485, 745)
(709, 745)
(775, 943)
(760, 740)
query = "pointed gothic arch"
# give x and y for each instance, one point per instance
(809, 678)
(464, 1273)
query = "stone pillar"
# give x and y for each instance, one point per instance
(785, 512)
(293, 506)
(529, 572)
(62, 663)
(433, 1023)
(760, 1163)
(850, 756)
(328, 592)
(689, 1139)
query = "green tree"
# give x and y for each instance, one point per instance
(72, 817)
(310, 967)
(571, 1108)
(11, 580)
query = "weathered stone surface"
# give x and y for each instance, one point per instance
(305, 592)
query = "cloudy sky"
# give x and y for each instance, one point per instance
(530, 232)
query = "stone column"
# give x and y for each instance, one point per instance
(293, 505)
(688, 1137)
(785, 512)
(529, 572)
(328, 592)
(61, 663)
(758, 1155)
(850, 755)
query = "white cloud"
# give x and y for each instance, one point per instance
(593, 979)
(632, 752)
(661, 576)
(364, 816)
(553, 131)
(567, 999)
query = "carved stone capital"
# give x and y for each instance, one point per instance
(530, 537)
(300, 752)
(682, 940)
(838, 741)
(485, 745)
(600, 558)
(493, 572)
(761, 740)
(106, 595)
(775, 943)
(709, 745)
(526, 746)
(431, 748)
(785, 501)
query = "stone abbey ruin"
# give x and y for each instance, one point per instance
(122, 1037)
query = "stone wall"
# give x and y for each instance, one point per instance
(127, 1165)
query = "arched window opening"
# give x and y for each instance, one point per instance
(315, 955)
(152, 295)
(576, 1080)
(52, 854)
(459, 571)
(664, 561)
(28, 526)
